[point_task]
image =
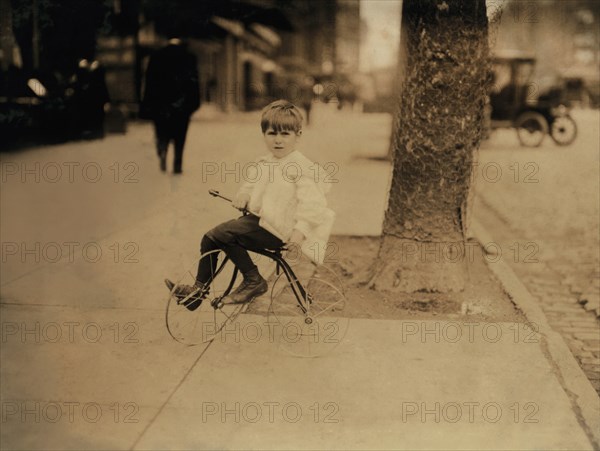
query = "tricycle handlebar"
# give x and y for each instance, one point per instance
(215, 193)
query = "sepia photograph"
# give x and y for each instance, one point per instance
(300, 225)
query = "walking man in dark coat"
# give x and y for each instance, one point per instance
(171, 95)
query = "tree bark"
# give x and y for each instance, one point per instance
(437, 129)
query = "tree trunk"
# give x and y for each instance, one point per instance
(435, 134)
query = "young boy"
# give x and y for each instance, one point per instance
(289, 199)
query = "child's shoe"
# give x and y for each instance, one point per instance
(198, 292)
(252, 286)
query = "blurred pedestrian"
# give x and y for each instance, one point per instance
(99, 99)
(307, 96)
(171, 95)
(90, 99)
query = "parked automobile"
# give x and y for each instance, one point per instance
(516, 102)
(32, 110)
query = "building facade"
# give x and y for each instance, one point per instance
(249, 51)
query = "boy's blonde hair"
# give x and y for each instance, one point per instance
(281, 115)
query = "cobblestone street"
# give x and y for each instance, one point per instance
(541, 207)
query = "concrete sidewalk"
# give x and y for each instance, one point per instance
(391, 385)
(87, 363)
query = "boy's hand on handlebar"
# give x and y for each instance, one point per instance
(296, 238)
(293, 245)
(241, 201)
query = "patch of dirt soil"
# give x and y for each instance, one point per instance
(483, 298)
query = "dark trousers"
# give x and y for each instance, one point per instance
(234, 237)
(175, 129)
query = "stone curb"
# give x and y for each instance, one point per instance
(584, 399)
